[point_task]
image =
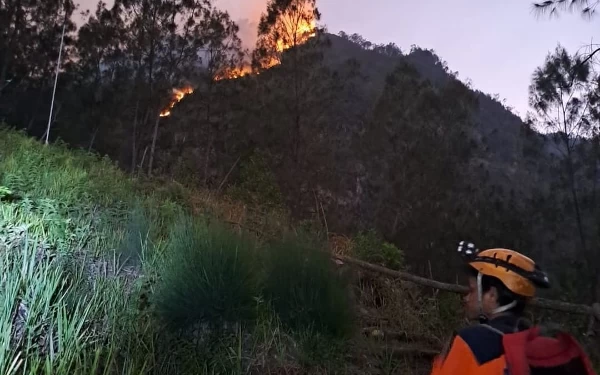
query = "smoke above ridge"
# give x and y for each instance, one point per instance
(246, 14)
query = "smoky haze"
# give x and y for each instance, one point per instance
(245, 13)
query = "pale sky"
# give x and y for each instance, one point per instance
(497, 44)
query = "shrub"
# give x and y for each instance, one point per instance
(257, 184)
(29, 168)
(370, 247)
(304, 289)
(208, 276)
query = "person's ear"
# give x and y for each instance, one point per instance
(492, 294)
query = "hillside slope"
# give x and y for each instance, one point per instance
(341, 112)
(105, 271)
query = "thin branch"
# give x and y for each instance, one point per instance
(537, 302)
(228, 173)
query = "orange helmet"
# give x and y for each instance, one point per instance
(517, 272)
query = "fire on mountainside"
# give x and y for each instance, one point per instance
(178, 94)
(296, 32)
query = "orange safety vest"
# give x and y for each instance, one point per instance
(503, 347)
(476, 350)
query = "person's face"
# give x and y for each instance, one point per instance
(489, 300)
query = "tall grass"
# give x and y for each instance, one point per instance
(63, 296)
(41, 332)
(210, 275)
(304, 289)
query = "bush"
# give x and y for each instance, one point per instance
(257, 185)
(304, 289)
(370, 247)
(29, 168)
(209, 276)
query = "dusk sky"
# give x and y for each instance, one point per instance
(497, 44)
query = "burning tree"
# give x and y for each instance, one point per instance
(287, 37)
(286, 25)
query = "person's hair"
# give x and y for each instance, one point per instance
(505, 296)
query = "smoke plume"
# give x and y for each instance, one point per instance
(246, 13)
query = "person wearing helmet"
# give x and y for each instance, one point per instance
(501, 284)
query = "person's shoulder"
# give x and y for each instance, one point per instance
(484, 342)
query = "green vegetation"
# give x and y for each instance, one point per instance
(369, 246)
(104, 275)
(304, 290)
(209, 275)
(257, 185)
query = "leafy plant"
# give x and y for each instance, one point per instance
(370, 247)
(257, 184)
(4, 192)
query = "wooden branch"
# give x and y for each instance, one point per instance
(404, 276)
(227, 175)
(589, 57)
(537, 302)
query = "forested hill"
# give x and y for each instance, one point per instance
(342, 132)
(496, 124)
(375, 138)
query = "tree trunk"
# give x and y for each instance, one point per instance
(17, 11)
(575, 199)
(153, 147)
(93, 139)
(134, 137)
(297, 119)
(207, 158)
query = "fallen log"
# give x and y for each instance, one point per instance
(455, 288)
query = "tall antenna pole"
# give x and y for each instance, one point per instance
(62, 38)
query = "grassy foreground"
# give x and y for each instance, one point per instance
(102, 275)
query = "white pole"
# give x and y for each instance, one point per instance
(62, 38)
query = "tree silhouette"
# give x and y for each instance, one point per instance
(554, 7)
(558, 94)
(585, 7)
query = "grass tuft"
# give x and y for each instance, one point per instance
(305, 290)
(208, 276)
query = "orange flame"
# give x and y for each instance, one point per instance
(304, 31)
(235, 72)
(177, 96)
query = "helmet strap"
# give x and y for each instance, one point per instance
(482, 316)
(504, 308)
